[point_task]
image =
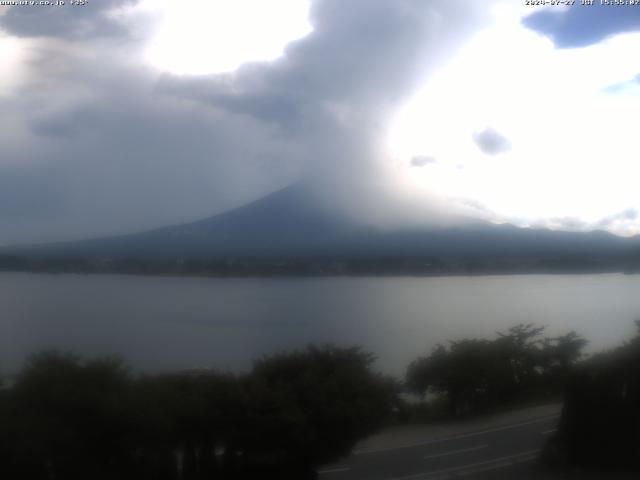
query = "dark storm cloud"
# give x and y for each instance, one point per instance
(284, 109)
(65, 125)
(128, 160)
(422, 160)
(366, 51)
(64, 21)
(46, 198)
(491, 142)
(580, 26)
(102, 146)
(337, 88)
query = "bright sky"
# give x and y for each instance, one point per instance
(12, 54)
(215, 36)
(570, 118)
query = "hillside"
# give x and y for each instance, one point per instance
(289, 228)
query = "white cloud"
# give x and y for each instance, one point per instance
(198, 37)
(573, 148)
(491, 142)
(422, 160)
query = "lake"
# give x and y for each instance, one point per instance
(159, 323)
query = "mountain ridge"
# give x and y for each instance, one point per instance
(291, 225)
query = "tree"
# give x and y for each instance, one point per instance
(600, 422)
(560, 353)
(185, 415)
(310, 407)
(471, 373)
(67, 418)
(475, 373)
(521, 345)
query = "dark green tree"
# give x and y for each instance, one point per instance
(310, 407)
(470, 373)
(182, 419)
(521, 346)
(473, 374)
(68, 419)
(600, 422)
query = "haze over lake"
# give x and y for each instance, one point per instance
(159, 323)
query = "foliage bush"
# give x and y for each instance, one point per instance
(600, 422)
(68, 419)
(476, 374)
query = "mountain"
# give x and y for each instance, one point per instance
(288, 221)
(289, 227)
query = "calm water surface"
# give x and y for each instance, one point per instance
(170, 323)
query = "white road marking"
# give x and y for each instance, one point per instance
(454, 452)
(547, 432)
(456, 437)
(470, 468)
(334, 470)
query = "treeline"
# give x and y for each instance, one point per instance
(600, 422)
(65, 418)
(472, 375)
(317, 265)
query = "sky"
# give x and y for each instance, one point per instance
(127, 115)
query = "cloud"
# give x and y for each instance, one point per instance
(336, 90)
(566, 223)
(96, 142)
(629, 87)
(579, 26)
(369, 55)
(491, 142)
(624, 221)
(65, 125)
(46, 198)
(422, 160)
(120, 157)
(66, 21)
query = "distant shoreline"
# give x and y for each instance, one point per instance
(327, 274)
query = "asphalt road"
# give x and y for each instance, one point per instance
(472, 455)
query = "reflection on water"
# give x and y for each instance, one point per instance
(171, 323)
